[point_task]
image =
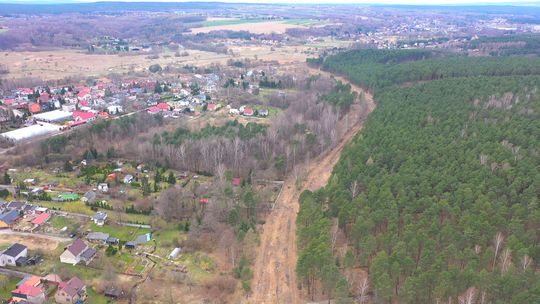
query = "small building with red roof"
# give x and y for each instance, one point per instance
(83, 116)
(213, 106)
(41, 219)
(30, 290)
(34, 108)
(248, 112)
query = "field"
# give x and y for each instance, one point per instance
(32, 242)
(57, 64)
(231, 21)
(256, 26)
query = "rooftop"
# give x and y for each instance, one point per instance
(14, 250)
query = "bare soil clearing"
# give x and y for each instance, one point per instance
(32, 242)
(274, 270)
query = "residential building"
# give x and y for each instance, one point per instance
(99, 218)
(11, 255)
(72, 291)
(9, 218)
(29, 290)
(77, 252)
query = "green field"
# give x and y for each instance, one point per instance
(123, 233)
(3, 30)
(59, 222)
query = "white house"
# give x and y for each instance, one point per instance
(114, 109)
(128, 179)
(99, 218)
(103, 187)
(10, 256)
(77, 252)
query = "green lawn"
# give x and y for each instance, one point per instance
(3, 30)
(60, 222)
(5, 293)
(95, 298)
(123, 233)
(165, 238)
(65, 179)
(73, 207)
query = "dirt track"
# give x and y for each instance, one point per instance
(274, 270)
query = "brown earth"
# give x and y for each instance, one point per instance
(274, 270)
(32, 242)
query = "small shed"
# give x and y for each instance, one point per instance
(174, 254)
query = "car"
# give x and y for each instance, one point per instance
(72, 235)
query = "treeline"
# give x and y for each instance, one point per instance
(382, 68)
(437, 197)
(507, 45)
(230, 130)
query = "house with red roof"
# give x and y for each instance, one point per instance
(29, 290)
(84, 93)
(44, 97)
(213, 106)
(248, 112)
(34, 108)
(163, 106)
(103, 115)
(9, 101)
(25, 91)
(83, 116)
(160, 107)
(41, 219)
(72, 291)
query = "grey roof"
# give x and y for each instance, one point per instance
(14, 250)
(16, 205)
(100, 215)
(112, 240)
(9, 217)
(90, 195)
(88, 254)
(97, 236)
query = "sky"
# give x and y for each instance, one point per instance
(416, 2)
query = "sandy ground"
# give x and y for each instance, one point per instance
(33, 242)
(274, 270)
(256, 27)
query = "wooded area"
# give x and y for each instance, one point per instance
(438, 196)
(381, 68)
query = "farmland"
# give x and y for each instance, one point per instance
(257, 26)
